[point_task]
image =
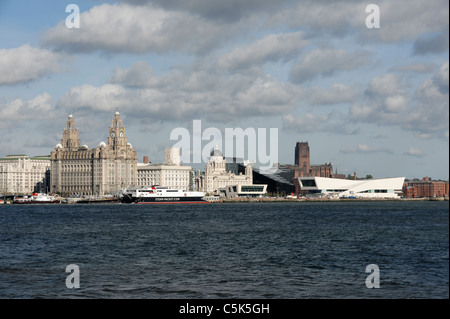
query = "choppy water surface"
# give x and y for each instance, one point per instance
(245, 250)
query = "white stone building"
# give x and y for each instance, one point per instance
(79, 170)
(172, 156)
(217, 177)
(20, 174)
(172, 176)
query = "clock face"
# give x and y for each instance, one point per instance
(121, 134)
(113, 134)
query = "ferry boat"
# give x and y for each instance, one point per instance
(162, 195)
(36, 198)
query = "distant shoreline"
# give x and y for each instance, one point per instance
(282, 200)
(295, 200)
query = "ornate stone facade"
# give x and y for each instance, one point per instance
(20, 174)
(106, 169)
(216, 177)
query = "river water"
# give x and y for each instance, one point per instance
(226, 250)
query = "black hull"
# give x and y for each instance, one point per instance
(163, 200)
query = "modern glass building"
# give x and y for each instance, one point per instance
(243, 191)
(278, 183)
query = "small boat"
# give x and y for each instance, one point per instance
(162, 195)
(36, 198)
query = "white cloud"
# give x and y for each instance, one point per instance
(401, 20)
(385, 85)
(229, 11)
(272, 47)
(435, 44)
(186, 94)
(327, 62)
(306, 123)
(415, 67)
(104, 98)
(336, 18)
(39, 107)
(366, 149)
(338, 93)
(387, 102)
(406, 20)
(334, 122)
(396, 104)
(140, 74)
(413, 151)
(126, 28)
(441, 78)
(26, 63)
(19, 115)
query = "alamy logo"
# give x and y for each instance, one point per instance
(373, 280)
(373, 19)
(73, 19)
(261, 149)
(73, 280)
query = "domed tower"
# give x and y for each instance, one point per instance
(70, 138)
(216, 161)
(62, 162)
(118, 159)
(216, 152)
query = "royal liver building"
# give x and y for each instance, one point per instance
(79, 170)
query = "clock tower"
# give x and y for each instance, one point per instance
(106, 169)
(117, 140)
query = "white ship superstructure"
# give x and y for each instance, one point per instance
(159, 194)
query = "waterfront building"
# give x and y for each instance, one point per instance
(79, 170)
(425, 188)
(279, 182)
(171, 176)
(345, 188)
(234, 191)
(284, 180)
(20, 174)
(172, 156)
(303, 166)
(303, 163)
(216, 176)
(232, 164)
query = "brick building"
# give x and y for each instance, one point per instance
(425, 188)
(303, 167)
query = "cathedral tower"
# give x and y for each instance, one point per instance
(302, 158)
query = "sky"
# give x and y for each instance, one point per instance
(370, 100)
